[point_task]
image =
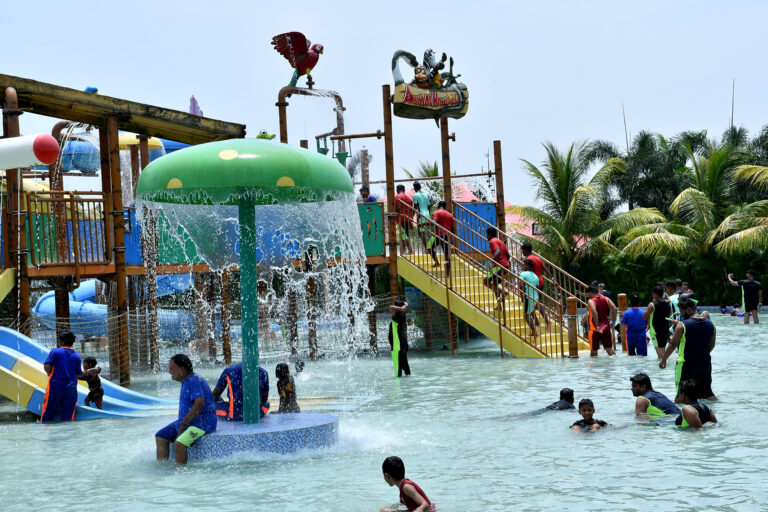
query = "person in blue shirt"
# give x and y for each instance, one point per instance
(633, 319)
(366, 195)
(197, 411)
(231, 379)
(64, 367)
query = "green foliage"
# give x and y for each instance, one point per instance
(696, 207)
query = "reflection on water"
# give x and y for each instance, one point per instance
(443, 421)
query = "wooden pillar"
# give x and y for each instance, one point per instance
(446, 151)
(293, 327)
(622, 308)
(106, 188)
(149, 306)
(210, 301)
(427, 307)
(283, 117)
(573, 343)
(312, 317)
(390, 172)
(372, 327)
(150, 260)
(226, 319)
(16, 234)
(143, 152)
(202, 311)
(119, 253)
(133, 318)
(501, 214)
(466, 332)
(364, 172)
(134, 169)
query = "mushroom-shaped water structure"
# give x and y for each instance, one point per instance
(217, 193)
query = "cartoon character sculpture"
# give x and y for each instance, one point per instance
(432, 93)
(296, 48)
(264, 134)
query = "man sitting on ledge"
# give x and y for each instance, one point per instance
(197, 412)
(231, 379)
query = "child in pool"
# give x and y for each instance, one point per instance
(588, 423)
(286, 388)
(95, 391)
(411, 494)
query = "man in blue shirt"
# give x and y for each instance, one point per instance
(633, 319)
(231, 379)
(197, 411)
(366, 195)
(64, 367)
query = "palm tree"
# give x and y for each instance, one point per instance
(705, 218)
(433, 188)
(653, 165)
(569, 224)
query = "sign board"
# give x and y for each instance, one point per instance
(433, 93)
(372, 227)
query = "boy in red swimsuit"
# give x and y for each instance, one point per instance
(411, 494)
(602, 315)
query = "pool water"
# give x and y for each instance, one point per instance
(446, 421)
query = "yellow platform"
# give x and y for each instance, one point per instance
(475, 304)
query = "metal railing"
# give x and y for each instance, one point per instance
(66, 229)
(467, 275)
(557, 282)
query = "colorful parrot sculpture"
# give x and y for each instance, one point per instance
(296, 48)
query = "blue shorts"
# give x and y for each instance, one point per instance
(187, 438)
(59, 401)
(636, 343)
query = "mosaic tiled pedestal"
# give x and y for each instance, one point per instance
(278, 433)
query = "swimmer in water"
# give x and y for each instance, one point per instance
(693, 413)
(587, 423)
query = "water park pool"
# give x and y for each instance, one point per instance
(447, 423)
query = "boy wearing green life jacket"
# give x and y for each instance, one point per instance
(398, 337)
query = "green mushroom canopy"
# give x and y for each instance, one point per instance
(226, 172)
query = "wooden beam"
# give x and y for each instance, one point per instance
(65, 103)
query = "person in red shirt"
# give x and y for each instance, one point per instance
(538, 269)
(411, 495)
(602, 315)
(446, 224)
(496, 276)
(405, 219)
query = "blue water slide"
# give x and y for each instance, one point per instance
(118, 401)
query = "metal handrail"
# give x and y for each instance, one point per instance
(565, 284)
(466, 281)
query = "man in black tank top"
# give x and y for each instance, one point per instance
(751, 295)
(695, 335)
(656, 315)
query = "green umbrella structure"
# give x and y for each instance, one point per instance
(244, 173)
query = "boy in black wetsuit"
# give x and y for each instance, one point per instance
(565, 402)
(588, 423)
(95, 391)
(286, 389)
(398, 337)
(656, 315)
(693, 413)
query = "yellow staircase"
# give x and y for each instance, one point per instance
(476, 304)
(464, 293)
(7, 282)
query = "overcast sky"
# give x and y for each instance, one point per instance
(536, 71)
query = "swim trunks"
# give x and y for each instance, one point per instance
(187, 438)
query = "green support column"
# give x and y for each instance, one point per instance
(249, 297)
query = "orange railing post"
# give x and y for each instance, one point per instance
(573, 344)
(622, 309)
